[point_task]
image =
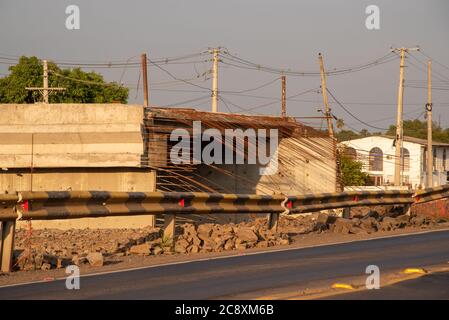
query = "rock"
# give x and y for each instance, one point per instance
(46, 266)
(388, 223)
(208, 245)
(318, 227)
(189, 229)
(95, 259)
(342, 225)
(262, 244)
(181, 246)
(358, 230)
(322, 218)
(143, 249)
(403, 218)
(229, 245)
(194, 249)
(157, 250)
(50, 259)
(284, 241)
(205, 230)
(245, 234)
(369, 224)
(38, 260)
(241, 246)
(372, 214)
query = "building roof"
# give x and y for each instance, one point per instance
(422, 142)
(419, 141)
(221, 121)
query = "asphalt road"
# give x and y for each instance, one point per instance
(431, 286)
(235, 275)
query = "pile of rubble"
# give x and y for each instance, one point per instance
(49, 249)
(366, 223)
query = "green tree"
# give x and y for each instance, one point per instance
(345, 135)
(418, 129)
(81, 86)
(351, 172)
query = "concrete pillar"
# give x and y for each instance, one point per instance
(346, 213)
(169, 227)
(273, 219)
(153, 176)
(7, 245)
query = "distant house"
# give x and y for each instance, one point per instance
(377, 153)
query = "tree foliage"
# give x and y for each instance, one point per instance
(418, 129)
(351, 172)
(81, 86)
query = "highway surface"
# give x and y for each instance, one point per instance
(218, 278)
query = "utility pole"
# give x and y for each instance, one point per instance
(284, 98)
(215, 81)
(45, 81)
(145, 79)
(399, 123)
(429, 126)
(45, 89)
(330, 127)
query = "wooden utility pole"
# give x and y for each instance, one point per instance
(284, 97)
(429, 126)
(399, 130)
(145, 79)
(45, 89)
(215, 81)
(330, 127)
(45, 81)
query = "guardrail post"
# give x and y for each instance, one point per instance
(408, 209)
(169, 227)
(7, 245)
(273, 219)
(346, 212)
(152, 222)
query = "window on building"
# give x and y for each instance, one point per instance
(351, 153)
(405, 156)
(434, 159)
(444, 160)
(376, 159)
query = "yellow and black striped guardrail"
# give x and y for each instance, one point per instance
(89, 204)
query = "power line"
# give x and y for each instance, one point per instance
(253, 89)
(246, 64)
(351, 114)
(187, 101)
(175, 78)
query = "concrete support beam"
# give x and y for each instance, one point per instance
(169, 227)
(273, 219)
(7, 245)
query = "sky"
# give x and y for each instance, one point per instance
(279, 33)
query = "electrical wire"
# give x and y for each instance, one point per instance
(246, 64)
(351, 114)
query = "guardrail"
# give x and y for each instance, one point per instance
(431, 194)
(347, 199)
(90, 204)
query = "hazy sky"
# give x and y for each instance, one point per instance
(284, 34)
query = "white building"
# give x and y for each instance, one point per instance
(377, 153)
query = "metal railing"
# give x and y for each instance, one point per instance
(91, 204)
